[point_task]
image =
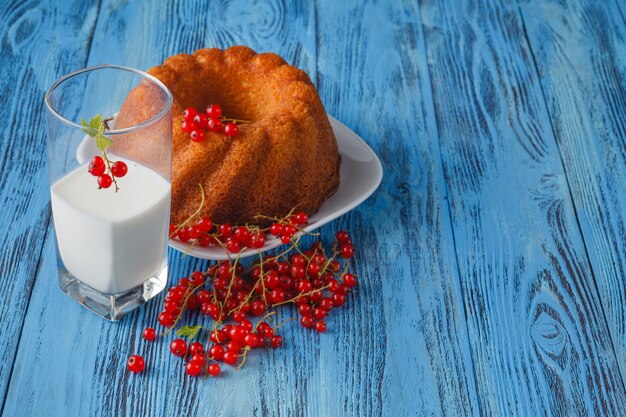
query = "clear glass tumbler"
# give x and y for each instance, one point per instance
(109, 164)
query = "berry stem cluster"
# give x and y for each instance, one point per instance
(240, 302)
(197, 123)
(100, 166)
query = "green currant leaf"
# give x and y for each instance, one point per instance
(189, 331)
(95, 129)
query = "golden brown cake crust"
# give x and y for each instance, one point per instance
(286, 157)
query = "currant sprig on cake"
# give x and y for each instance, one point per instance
(100, 166)
(197, 123)
(239, 304)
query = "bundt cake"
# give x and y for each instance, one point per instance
(285, 157)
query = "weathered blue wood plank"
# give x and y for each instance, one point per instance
(580, 47)
(540, 342)
(40, 42)
(374, 54)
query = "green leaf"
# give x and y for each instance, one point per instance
(102, 142)
(95, 129)
(189, 331)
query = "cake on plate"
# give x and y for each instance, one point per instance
(284, 157)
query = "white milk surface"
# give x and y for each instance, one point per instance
(112, 241)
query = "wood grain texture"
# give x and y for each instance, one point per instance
(40, 42)
(579, 48)
(374, 54)
(540, 342)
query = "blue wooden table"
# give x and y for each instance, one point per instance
(492, 260)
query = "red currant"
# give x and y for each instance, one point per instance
(183, 234)
(189, 126)
(226, 230)
(198, 357)
(276, 341)
(233, 245)
(349, 280)
(97, 166)
(189, 113)
(178, 347)
(119, 169)
(320, 326)
(213, 111)
(205, 224)
(197, 135)
(252, 340)
(319, 313)
(135, 364)
(196, 278)
(214, 369)
(166, 319)
(231, 357)
(231, 129)
(104, 181)
(176, 294)
(238, 333)
(307, 321)
(276, 229)
(149, 333)
(193, 368)
(347, 250)
(196, 348)
(257, 240)
(343, 237)
(257, 308)
(301, 218)
(217, 352)
(338, 299)
(201, 120)
(215, 125)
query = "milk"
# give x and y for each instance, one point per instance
(112, 241)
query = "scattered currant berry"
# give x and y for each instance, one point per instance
(276, 341)
(105, 181)
(231, 357)
(119, 169)
(149, 333)
(349, 280)
(135, 364)
(193, 368)
(347, 250)
(178, 347)
(320, 326)
(307, 321)
(166, 319)
(196, 348)
(196, 278)
(214, 369)
(217, 352)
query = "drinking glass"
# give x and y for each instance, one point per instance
(109, 164)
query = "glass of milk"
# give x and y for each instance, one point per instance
(111, 243)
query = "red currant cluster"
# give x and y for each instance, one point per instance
(196, 123)
(106, 171)
(313, 281)
(205, 233)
